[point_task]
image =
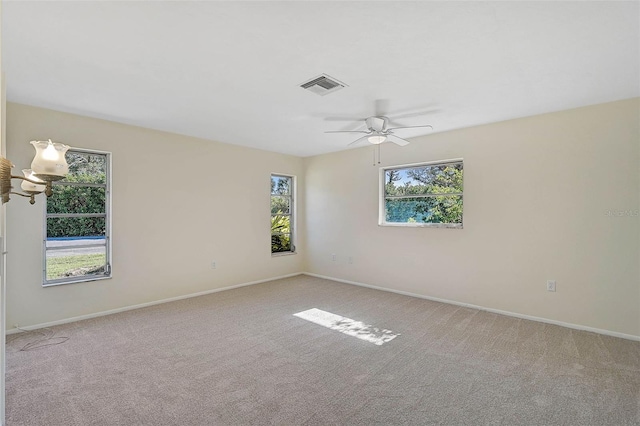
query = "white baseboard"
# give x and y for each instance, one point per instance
(405, 293)
(144, 305)
(482, 308)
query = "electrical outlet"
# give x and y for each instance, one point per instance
(551, 285)
(350, 260)
(213, 264)
(334, 257)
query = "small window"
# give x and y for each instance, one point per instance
(427, 194)
(77, 223)
(282, 214)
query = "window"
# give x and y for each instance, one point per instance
(77, 221)
(427, 194)
(282, 211)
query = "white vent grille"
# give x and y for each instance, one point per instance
(323, 85)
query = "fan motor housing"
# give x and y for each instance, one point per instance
(377, 124)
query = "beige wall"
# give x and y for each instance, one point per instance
(536, 195)
(178, 203)
(537, 191)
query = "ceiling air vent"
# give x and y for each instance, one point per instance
(322, 85)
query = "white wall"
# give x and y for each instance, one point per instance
(178, 203)
(3, 224)
(536, 194)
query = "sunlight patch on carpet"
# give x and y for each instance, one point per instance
(369, 333)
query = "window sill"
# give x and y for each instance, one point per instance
(79, 280)
(423, 225)
(284, 253)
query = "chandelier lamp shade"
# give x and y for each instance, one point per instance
(49, 165)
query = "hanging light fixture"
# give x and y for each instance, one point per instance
(48, 165)
(28, 186)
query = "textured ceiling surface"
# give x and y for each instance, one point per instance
(230, 71)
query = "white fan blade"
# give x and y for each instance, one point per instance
(344, 119)
(347, 131)
(357, 141)
(413, 113)
(397, 140)
(393, 118)
(410, 127)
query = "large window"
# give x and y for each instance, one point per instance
(282, 214)
(427, 194)
(77, 223)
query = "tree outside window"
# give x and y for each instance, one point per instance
(282, 214)
(427, 194)
(77, 221)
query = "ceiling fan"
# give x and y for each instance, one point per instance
(378, 131)
(377, 127)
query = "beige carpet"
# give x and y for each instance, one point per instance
(240, 357)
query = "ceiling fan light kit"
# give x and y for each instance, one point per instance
(377, 139)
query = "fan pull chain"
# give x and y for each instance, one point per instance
(376, 155)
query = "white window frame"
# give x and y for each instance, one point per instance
(108, 240)
(292, 214)
(381, 198)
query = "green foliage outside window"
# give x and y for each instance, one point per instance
(77, 209)
(424, 194)
(281, 200)
(73, 198)
(280, 234)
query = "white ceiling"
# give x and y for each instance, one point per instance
(230, 71)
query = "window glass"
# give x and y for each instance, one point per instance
(427, 194)
(77, 221)
(282, 214)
